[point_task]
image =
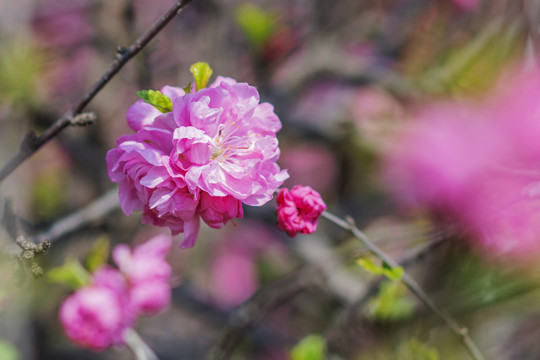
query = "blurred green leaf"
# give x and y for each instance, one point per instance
(415, 350)
(98, 255)
(48, 194)
(20, 64)
(256, 24)
(312, 347)
(201, 73)
(369, 265)
(393, 273)
(72, 274)
(8, 351)
(391, 303)
(155, 98)
(476, 65)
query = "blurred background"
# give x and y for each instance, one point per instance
(345, 77)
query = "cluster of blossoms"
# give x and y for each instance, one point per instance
(478, 163)
(299, 210)
(97, 315)
(215, 150)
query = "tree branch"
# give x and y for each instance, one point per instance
(32, 143)
(461, 332)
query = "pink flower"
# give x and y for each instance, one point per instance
(299, 210)
(97, 315)
(94, 317)
(147, 273)
(477, 163)
(215, 150)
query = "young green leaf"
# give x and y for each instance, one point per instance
(155, 98)
(395, 273)
(312, 347)
(72, 274)
(391, 303)
(370, 266)
(98, 254)
(201, 73)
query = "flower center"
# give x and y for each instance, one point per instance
(227, 142)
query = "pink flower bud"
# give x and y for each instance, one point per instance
(299, 210)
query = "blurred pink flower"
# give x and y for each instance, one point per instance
(478, 163)
(233, 270)
(97, 315)
(310, 163)
(215, 150)
(94, 317)
(62, 23)
(147, 273)
(234, 276)
(467, 5)
(299, 210)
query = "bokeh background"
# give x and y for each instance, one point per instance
(345, 77)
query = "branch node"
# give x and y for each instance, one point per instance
(29, 141)
(84, 119)
(350, 221)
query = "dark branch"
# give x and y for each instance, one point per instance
(32, 143)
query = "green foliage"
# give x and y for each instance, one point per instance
(392, 273)
(98, 255)
(475, 66)
(415, 350)
(72, 274)
(256, 24)
(156, 99)
(391, 303)
(8, 351)
(48, 194)
(20, 64)
(201, 73)
(312, 347)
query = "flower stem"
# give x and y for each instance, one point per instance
(136, 344)
(461, 332)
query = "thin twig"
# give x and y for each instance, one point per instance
(64, 226)
(140, 349)
(461, 332)
(348, 317)
(32, 143)
(267, 298)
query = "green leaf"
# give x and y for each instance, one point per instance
(72, 274)
(312, 347)
(98, 255)
(391, 303)
(155, 98)
(256, 24)
(415, 350)
(395, 273)
(201, 73)
(392, 273)
(370, 266)
(8, 351)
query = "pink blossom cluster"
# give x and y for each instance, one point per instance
(97, 315)
(215, 150)
(478, 163)
(299, 210)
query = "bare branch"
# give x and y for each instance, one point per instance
(32, 143)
